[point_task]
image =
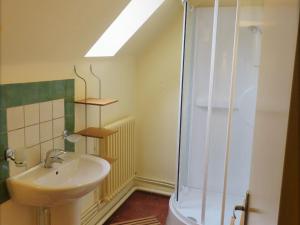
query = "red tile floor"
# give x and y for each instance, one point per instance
(142, 204)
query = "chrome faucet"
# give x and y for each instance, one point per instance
(52, 156)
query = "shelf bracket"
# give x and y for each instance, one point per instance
(99, 95)
(85, 107)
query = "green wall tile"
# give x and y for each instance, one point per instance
(4, 196)
(69, 108)
(3, 126)
(3, 145)
(30, 93)
(70, 90)
(45, 91)
(69, 125)
(3, 170)
(69, 147)
(2, 103)
(58, 89)
(12, 95)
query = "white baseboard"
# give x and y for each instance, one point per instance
(154, 186)
(139, 184)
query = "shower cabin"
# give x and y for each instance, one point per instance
(237, 69)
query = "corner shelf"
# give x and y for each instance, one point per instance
(96, 132)
(218, 105)
(97, 101)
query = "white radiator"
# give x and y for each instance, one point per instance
(119, 148)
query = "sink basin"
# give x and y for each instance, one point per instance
(49, 187)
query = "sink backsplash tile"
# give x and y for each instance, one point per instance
(27, 137)
(14, 118)
(32, 114)
(32, 118)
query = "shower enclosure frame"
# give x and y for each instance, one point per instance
(264, 112)
(209, 107)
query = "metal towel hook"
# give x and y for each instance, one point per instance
(85, 97)
(99, 94)
(97, 77)
(80, 77)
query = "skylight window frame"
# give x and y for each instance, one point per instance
(129, 21)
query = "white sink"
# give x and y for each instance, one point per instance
(50, 187)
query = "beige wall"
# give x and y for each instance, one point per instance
(157, 105)
(280, 25)
(117, 75)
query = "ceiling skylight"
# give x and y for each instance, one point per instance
(136, 13)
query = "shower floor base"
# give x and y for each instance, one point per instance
(189, 208)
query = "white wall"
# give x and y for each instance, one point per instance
(279, 39)
(157, 105)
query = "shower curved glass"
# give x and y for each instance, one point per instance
(220, 67)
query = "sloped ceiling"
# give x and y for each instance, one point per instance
(55, 30)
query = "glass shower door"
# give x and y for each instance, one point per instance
(195, 82)
(206, 110)
(233, 88)
(245, 74)
(219, 112)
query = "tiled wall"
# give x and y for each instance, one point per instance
(32, 119)
(33, 130)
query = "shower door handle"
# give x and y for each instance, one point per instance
(244, 208)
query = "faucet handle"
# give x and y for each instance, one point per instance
(57, 159)
(52, 156)
(59, 151)
(54, 153)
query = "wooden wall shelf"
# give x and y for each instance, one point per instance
(97, 101)
(96, 132)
